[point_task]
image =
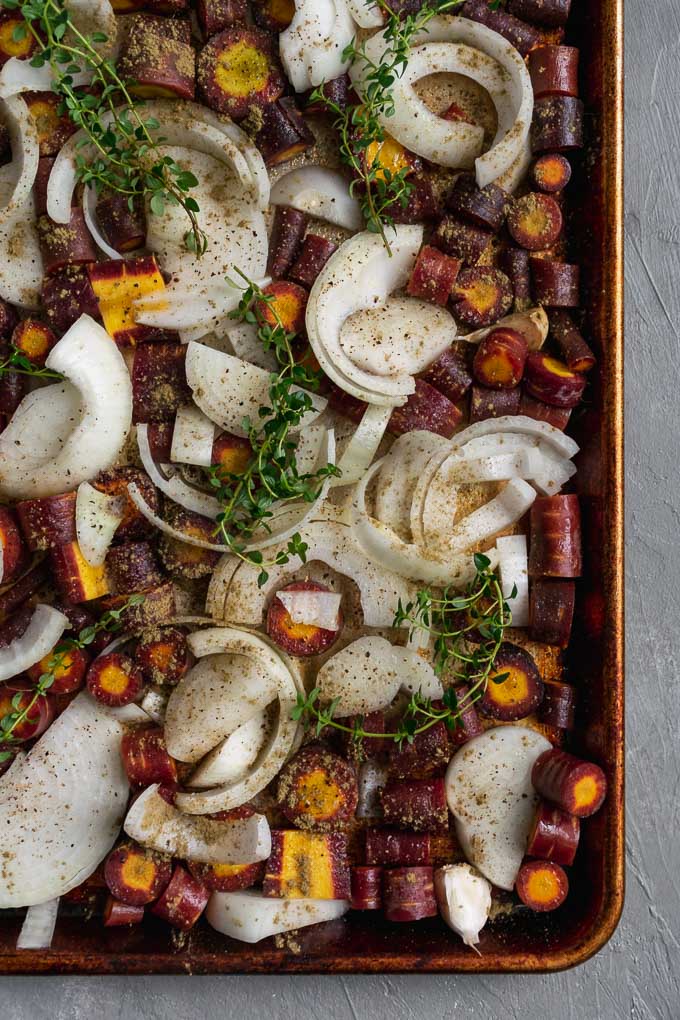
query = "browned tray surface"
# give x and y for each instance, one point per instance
(525, 941)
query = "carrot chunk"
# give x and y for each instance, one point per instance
(366, 888)
(163, 655)
(35, 339)
(237, 72)
(146, 759)
(535, 221)
(553, 382)
(76, 580)
(117, 284)
(551, 173)
(69, 675)
(183, 900)
(157, 57)
(554, 835)
(117, 914)
(408, 894)
(578, 787)
(428, 409)
(433, 275)
(519, 693)
(387, 847)
(227, 877)
(13, 548)
(39, 716)
(555, 538)
(481, 296)
(417, 804)
(307, 864)
(499, 359)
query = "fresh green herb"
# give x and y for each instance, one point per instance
(450, 619)
(17, 361)
(378, 189)
(128, 158)
(109, 622)
(271, 477)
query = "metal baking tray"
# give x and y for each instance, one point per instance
(523, 941)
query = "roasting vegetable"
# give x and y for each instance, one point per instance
(307, 865)
(464, 900)
(576, 786)
(317, 790)
(542, 885)
(408, 894)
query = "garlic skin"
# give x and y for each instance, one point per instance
(464, 900)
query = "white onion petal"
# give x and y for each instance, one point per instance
(37, 931)
(192, 437)
(312, 46)
(313, 608)
(513, 568)
(98, 515)
(43, 632)
(249, 916)
(320, 192)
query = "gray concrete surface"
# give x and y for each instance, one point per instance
(638, 974)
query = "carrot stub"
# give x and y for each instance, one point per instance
(578, 787)
(114, 679)
(69, 675)
(542, 885)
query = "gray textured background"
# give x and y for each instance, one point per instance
(638, 974)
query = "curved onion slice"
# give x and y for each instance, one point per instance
(61, 813)
(44, 630)
(520, 425)
(154, 703)
(18, 75)
(90, 215)
(234, 757)
(246, 344)
(365, 13)
(192, 437)
(179, 307)
(21, 264)
(218, 694)
(201, 543)
(313, 608)
(487, 521)
(234, 227)
(322, 193)
(87, 356)
(312, 47)
(401, 338)
(97, 518)
(385, 547)
(153, 822)
(532, 324)
(363, 446)
(228, 390)
(458, 44)
(399, 474)
(490, 794)
(464, 900)
(181, 124)
(23, 137)
(418, 674)
(282, 735)
(513, 568)
(249, 916)
(37, 931)
(363, 677)
(171, 485)
(360, 274)
(234, 594)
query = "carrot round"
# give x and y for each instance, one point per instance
(301, 639)
(135, 875)
(542, 885)
(535, 221)
(554, 835)
(520, 693)
(146, 759)
(163, 655)
(499, 359)
(69, 674)
(114, 679)
(227, 877)
(317, 789)
(183, 900)
(408, 894)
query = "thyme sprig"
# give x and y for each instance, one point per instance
(128, 158)
(109, 622)
(360, 127)
(19, 362)
(468, 631)
(271, 476)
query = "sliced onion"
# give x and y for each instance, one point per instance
(365, 13)
(154, 703)
(218, 694)
(313, 608)
(385, 547)
(249, 916)
(181, 124)
(228, 390)
(511, 179)
(192, 437)
(362, 677)
(171, 484)
(282, 734)
(18, 75)
(181, 536)
(489, 792)
(399, 475)
(370, 780)
(312, 46)
(521, 425)
(23, 137)
(487, 521)
(62, 812)
(234, 757)
(21, 263)
(37, 931)
(90, 360)
(418, 675)
(97, 518)
(513, 568)
(400, 338)
(532, 325)
(181, 307)
(158, 825)
(360, 274)
(363, 445)
(44, 630)
(458, 44)
(320, 192)
(308, 455)
(235, 596)
(247, 345)
(92, 222)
